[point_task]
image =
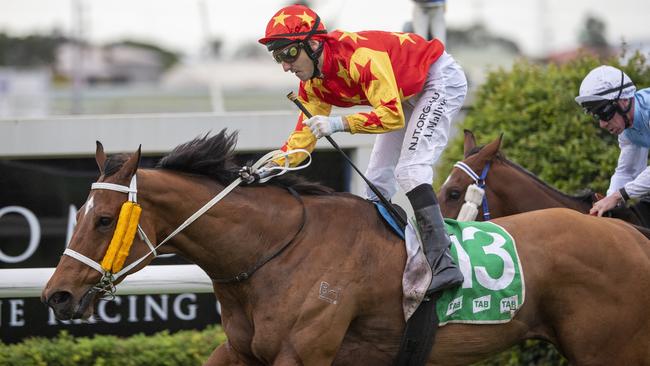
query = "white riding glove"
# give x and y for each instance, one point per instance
(324, 126)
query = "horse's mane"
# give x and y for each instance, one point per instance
(585, 195)
(214, 157)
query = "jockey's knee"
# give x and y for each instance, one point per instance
(412, 175)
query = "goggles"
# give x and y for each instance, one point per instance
(288, 54)
(603, 112)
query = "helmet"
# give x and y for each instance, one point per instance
(605, 83)
(291, 24)
(601, 90)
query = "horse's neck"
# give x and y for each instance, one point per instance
(231, 236)
(522, 192)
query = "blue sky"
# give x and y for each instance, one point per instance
(178, 24)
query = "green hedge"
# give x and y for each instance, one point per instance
(164, 349)
(529, 353)
(186, 348)
(544, 129)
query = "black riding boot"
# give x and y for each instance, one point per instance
(435, 240)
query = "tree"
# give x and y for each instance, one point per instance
(593, 33)
(29, 51)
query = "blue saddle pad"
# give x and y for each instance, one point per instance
(389, 219)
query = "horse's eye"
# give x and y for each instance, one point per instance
(453, 194)
(104, 221)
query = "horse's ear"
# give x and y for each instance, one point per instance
(131, 166)
(470, 142)
(100, 157)
(491, 149)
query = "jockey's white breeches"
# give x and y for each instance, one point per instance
(406, 156)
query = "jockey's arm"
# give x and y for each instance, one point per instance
(631, 178)
(302, 137)
(382, 92)
(640, 186)
(632, 170)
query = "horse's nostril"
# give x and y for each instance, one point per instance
(59, 297)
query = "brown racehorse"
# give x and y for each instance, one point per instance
(511, 189)
(333, 295)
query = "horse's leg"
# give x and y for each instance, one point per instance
(319, 333)
(289, 357)
(225, 355)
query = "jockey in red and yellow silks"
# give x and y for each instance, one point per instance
(414, 89)
(374, 68)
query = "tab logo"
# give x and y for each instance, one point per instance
(454, 305)
(509, 304)
(481, 303)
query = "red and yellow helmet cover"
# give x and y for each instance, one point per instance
(294, 22)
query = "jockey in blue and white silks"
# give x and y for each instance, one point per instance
(632, 172)
(611, 97)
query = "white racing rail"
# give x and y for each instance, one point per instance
(160, 279)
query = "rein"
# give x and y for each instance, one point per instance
(243, 276)
(128, 224)
(475, 193)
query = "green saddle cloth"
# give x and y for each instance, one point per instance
(493, 289)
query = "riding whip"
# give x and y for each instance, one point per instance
(292, 97)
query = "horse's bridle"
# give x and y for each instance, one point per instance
(106, 284)
(480, 183)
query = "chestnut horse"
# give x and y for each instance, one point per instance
(511, 189)
(324, 273)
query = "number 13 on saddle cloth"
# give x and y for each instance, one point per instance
(493, 289)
